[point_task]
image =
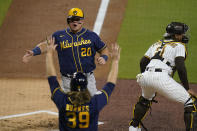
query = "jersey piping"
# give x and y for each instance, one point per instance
(102, 48)
(105, 94)
(73, 51)
(54, 92)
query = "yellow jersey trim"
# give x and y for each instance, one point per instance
(54, 91)
(82, 32)
(73, 51)
(105, 94)
(102, 48)
(147, 57)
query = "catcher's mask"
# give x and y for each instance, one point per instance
(179, 29)
(78, 82)
(75, 14)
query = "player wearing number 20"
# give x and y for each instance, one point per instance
(78, 111)
(76, 49)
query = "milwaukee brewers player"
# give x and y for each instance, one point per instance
(76, 49)
(78, 111)
(158, 65)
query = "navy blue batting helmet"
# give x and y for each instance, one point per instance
(79, 82)
(176, 28)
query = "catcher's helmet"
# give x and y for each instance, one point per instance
(176, 28)
(75, 14)
(78, 82)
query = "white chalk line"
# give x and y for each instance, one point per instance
(33, 113)
(97, 29)
(100, 16)
(29, 113)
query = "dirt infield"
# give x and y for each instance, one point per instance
(20, 96)
(24, 89)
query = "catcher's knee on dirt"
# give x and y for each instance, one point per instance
(139, 111)
(190, 115)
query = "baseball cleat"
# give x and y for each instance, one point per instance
(131, 128)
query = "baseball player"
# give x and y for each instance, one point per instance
(157, 66)
(76, 49)
(78, 111)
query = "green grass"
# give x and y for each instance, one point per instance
(145, 22)
(4, 5)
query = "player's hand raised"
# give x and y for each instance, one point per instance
(51, 46)
(115, 52)
(28, 55)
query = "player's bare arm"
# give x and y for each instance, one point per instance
(103, 56)
(43, 46)
(39, 49)
(115, 54)
(50, 49)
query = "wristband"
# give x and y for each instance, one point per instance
(105, 57)
(36, 51)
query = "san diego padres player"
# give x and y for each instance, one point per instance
(76, 48)
(157, 68)
(78, 111)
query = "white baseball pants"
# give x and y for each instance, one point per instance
(160, 82)
(91, 83)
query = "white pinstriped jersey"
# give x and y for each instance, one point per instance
(152, 81)
(169, 52)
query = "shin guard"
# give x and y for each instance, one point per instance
(140, 110)
(190, 116)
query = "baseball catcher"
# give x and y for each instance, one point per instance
(157, 66)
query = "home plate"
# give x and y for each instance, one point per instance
(100, 123)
